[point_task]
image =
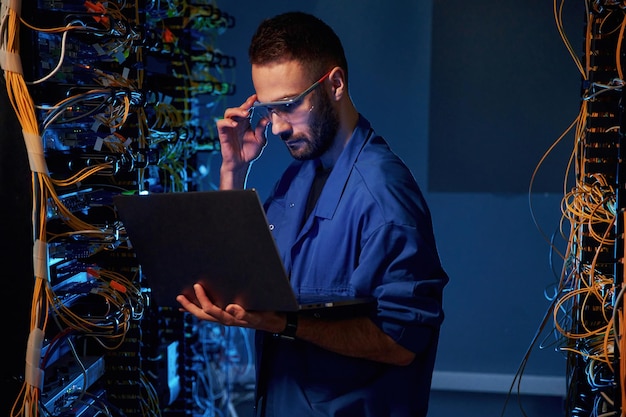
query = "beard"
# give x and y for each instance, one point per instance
(323, 128)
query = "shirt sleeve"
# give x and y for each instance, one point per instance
(408, 283)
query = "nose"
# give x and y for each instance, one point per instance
(279, 125)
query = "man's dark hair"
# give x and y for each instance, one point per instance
(298, 36)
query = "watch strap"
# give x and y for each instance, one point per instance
(289, 332)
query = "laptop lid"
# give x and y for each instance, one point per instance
(220, 239)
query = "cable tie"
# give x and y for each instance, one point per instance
(36, 157)
(95, 126)
(40, 259)
(120, 56)
(34, 374)
(93, 272)
(98, 145)
(99, 49)
(95, 7)
(11, 61)
(117, 286)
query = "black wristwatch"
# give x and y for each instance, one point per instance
(291, 327)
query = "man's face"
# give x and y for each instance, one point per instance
(308, 126)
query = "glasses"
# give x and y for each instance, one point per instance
(286, 108)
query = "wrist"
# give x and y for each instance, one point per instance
(291, 326)
(233, 178)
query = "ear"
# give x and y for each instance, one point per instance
(339, 86)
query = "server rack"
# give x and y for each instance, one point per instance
(105, 98)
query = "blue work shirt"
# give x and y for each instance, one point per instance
(370, 233)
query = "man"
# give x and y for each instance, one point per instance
(348, 218)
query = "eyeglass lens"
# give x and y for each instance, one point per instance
(288, 112)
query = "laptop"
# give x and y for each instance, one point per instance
(222, 240)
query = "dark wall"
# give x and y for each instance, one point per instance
(503, 89)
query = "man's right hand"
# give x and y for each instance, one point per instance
(240, 144)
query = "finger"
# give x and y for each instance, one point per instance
(184, 302)
(192, 308)
(211, 309)
(261, 128)
(204, 315)
(242, 111)
(203, 298)
(236, 311)
(237, 112)
(228, 123)
(249, 101)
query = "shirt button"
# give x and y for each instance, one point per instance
(292, 205)
(271, 227)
